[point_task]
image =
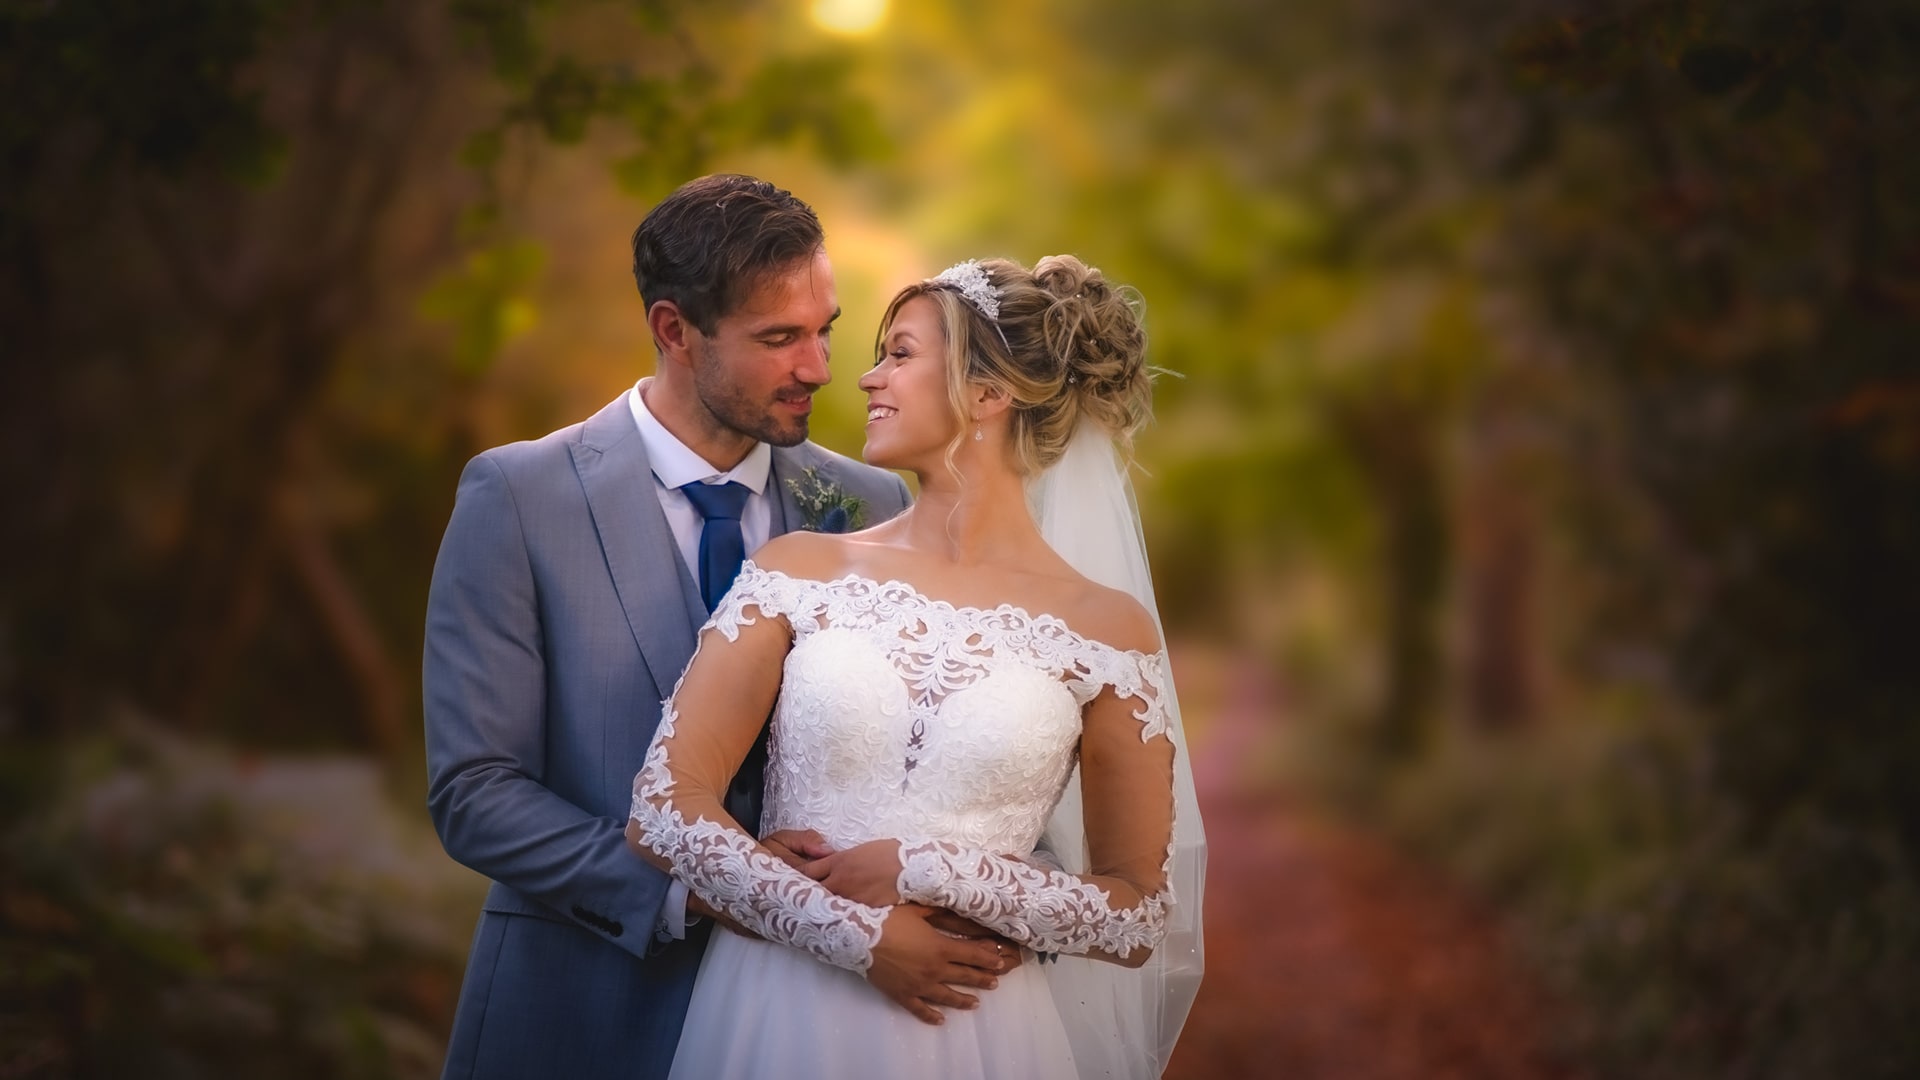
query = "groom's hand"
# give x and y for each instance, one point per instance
(867, 873)
(959, 926)
(797, 846)
(919, 967)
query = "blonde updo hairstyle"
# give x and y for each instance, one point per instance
(1074, 347)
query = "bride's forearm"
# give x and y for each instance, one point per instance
(1047, 910)
(754, 888)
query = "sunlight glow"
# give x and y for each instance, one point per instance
(849, 16)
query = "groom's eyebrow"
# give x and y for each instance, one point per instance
(787, 330)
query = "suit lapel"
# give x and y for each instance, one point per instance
(662, 605)
(790, 463)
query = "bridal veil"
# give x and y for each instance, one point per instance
(1122, 1022)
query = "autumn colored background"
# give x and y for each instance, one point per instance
(1536, 509)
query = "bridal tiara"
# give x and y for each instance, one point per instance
(974, 287)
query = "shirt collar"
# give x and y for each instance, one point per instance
(675, 464)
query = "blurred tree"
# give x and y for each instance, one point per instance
(1756, 344)
(209, 211)
(1583, 368)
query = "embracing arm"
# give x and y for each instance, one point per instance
(485, 689)
(1116, 911)
(679, 821)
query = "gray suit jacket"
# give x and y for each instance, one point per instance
(559, 617)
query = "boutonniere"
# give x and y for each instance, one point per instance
(825, 505)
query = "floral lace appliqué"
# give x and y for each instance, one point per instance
(757, 890)
(1048, 910)
(953, 728)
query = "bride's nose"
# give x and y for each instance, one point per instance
(871, 380)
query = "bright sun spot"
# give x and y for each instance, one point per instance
(849, 16)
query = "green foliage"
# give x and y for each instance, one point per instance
(223, 226)
(1677, 948)
(1631, 282)
(1714, 234)
(1731, 354)
(825, 506)
(488, 301)
(157, 84)
(176, 910)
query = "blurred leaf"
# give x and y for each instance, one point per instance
(483, 149)
(488, 302)
(1765, 100)
(504, 30)
(794, 97)
(564, 99)
(1716, 68)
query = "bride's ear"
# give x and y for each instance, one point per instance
(987, 400)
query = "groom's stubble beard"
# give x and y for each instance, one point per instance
(735, 407)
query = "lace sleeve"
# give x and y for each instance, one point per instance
(1121, 905)
(678, 816)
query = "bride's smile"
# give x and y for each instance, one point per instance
(910, 417)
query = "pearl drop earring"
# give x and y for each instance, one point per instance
(978, 434)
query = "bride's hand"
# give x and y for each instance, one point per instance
(867, 874)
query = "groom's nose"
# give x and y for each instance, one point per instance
(811, 366)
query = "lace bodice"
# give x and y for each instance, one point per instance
(954, 729)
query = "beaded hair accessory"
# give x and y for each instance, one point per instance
(973, 285)
(975, 289)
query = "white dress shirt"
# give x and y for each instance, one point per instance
(674, 464)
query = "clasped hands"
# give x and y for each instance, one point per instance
(925, 954)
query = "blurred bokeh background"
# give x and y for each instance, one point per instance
(1536, 508)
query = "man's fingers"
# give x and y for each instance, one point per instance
(951, 998)
(953, 924)
(797, 846)
(984, 953)
(811, 844)
(920, 1009)
(963, 975)
(785, 854)
(805, 842)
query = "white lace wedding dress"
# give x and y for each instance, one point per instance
(954, 729)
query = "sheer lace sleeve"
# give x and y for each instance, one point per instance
(706, 728)
(1119, 907)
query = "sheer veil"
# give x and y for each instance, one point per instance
(1122, 1021)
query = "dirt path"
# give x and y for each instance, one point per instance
(1329, 955)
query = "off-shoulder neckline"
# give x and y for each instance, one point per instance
(948, 605)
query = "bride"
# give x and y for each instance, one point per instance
(946, 688)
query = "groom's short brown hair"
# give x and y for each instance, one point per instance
(710, 243)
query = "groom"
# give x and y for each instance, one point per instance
(573, 577)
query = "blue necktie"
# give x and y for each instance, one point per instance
(722, 547)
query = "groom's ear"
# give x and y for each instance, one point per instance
(672, 332)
